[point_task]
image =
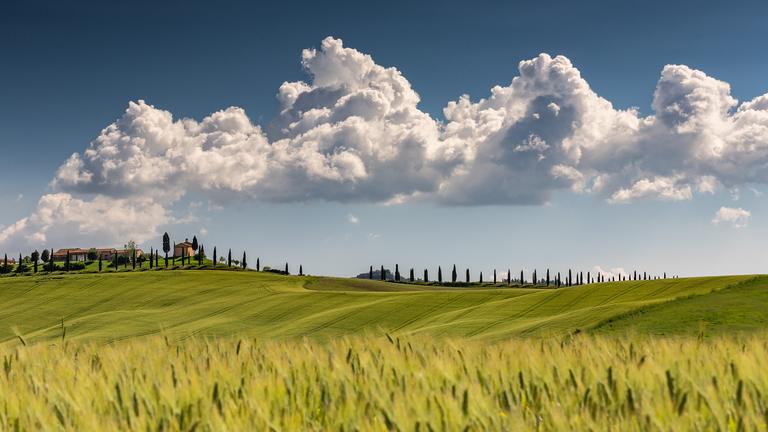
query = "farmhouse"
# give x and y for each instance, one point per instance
(107, 254)
(184, 247)
(75, 255)
(128, 253)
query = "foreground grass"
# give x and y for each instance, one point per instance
(378, 383)
(180, 304)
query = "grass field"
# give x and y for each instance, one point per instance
(411, 383)
(180, 304)
(188, 350)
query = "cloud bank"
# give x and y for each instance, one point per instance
(353, 132)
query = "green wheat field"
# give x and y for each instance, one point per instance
(241, 350)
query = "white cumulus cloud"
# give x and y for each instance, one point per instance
(735, 217)
(353, 132)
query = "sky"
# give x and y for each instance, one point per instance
(601, 136)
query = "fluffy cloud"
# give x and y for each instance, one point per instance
(353, 132)
(60, 217)
(736, 217)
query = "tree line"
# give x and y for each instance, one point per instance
(571, 278)
(44, 261)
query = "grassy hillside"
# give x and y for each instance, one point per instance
(742, 307)
(180, 304)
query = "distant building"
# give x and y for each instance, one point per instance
(107, 254)
(185, 247)
(75, 255)
(128, 253)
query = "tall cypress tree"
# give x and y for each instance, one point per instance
(229, 258)
(439, 275)
(397, 273)
(166, 247)
(569, 277)
(301, 270)
(494, 276)
(509, 277)
(547, 277)
(151, 257)
(370, 273)
(382, 275)
(5, 262)
(589, 281)
(535, 279)
(522, 278)
(426, 276)
(133, 259)
(194, 243)
(100, 264)
(35, 257)
(467, 275)
(258, 264)
(481, 277)
(66, 263)
(412, 278)
(244, 262)
(214, 257)
(558, 279)
(453, 274)
(286, 269)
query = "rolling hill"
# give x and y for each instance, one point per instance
(179, 304)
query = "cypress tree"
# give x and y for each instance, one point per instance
(439, 274)
(547, 277)
(151, 257)
(412, 278)
(569, 277)
(588, 278)
(535, 278)
(644, 276)
(244, 263)
(66, 263)
(194, 243)
(258, 264)
(467, 275)
(301, 270)
(157, 259)
(5, 262)
(215, 257)
(665, 275)
(481, 277)
(286, 269)
(426, 276)
(522, 278)
(453, 274)
(18, 265)
(201, 255)
(509, 277)
(35, 258)
(397, 273)
(229, 258)
(100, 264)
(558, 279)
(183, 252)
(370, 273)
(133, 259)
(382, 274)
(494, 276)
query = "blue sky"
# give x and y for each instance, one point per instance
(69, 70)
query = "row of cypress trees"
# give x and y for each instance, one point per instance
(572, 279)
